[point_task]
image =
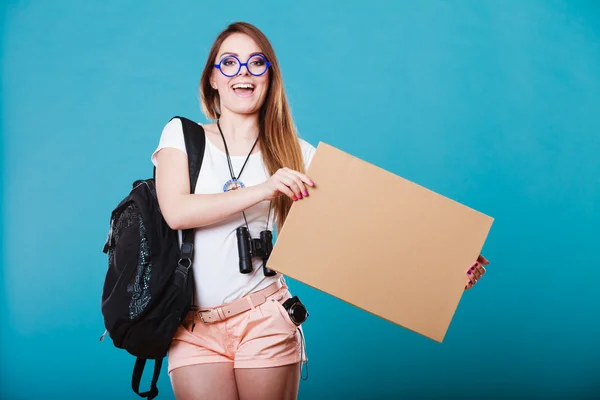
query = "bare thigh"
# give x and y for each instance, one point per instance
(277, 383)
(207, 381)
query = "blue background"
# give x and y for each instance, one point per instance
(495, 104)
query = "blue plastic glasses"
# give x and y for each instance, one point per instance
(231, 65)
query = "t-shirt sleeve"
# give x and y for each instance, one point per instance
(308, 152)
(172, 136)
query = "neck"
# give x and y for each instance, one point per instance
(239, 127)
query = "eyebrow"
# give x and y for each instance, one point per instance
(237, 55)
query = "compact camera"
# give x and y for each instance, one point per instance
(296, 310)
(249, 247)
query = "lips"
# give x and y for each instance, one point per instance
(243, 89)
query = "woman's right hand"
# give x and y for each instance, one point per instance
(286, 182)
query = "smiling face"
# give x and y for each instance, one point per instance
(242, 93)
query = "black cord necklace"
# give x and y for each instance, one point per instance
(234, 183)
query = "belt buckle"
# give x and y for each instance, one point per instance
(202, 316)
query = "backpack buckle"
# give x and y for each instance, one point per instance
(186, 250)
(184, 263)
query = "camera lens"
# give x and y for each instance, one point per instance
(298, 313)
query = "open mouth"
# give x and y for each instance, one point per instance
(243, 89)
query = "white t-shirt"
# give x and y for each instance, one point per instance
(216, 261)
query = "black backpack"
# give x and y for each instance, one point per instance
(149, 284)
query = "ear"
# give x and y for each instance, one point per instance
(213, 81)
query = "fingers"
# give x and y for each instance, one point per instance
(291, 183)
(474, 273)
(300, 180)
(479, 268)
(481, 259)
(303, 177)
(296, 182)
(295, 185)
(285, 190)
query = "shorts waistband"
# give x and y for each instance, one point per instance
(221, 313)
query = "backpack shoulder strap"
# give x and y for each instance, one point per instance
(195, 141)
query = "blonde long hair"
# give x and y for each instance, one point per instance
(279, 143)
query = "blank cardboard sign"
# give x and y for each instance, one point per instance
(381, 243)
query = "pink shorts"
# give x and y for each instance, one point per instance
(264, 336)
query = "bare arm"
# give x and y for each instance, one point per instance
(183, 210)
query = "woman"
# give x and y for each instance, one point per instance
(253, 170)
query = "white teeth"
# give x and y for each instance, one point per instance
(243, 86)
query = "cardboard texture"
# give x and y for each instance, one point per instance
(381, 243)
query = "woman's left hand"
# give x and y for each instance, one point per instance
(476, 271)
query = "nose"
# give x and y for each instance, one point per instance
(244, 70)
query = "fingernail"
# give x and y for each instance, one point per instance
(306, 193)
(295, 198)
(469, 272)
(300, 196)
(312, 183)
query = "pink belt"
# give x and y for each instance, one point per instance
(244, 304)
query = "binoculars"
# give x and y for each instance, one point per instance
(249, 247)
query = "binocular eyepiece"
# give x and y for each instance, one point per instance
(248, 248)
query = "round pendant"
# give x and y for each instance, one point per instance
(233, 184)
